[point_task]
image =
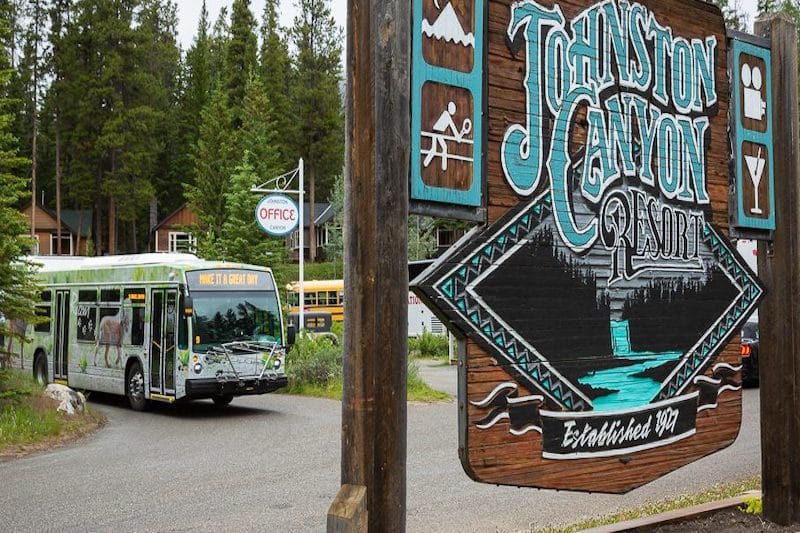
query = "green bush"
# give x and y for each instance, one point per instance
(753, 505)
(428, 346)
(315, 362)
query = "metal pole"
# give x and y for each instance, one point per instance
(300, 176)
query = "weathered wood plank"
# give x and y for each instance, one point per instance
(779, 319)
(374, 410)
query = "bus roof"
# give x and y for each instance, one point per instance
(169, 260)
(316, 285)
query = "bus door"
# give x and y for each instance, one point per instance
(61, 333)
(164, 314)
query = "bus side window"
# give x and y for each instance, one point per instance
(87, 315)
(136, 297)
(44, 309)
(137, 326)
(183, 328)
(311, 298)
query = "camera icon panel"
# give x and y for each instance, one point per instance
(753, 87)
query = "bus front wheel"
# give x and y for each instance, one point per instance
(134, 388)
(222, 400)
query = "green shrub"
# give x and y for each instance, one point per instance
(428, 346)
(314, 362)
(753, 505)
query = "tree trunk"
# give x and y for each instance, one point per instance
(112, 210)
(135, 248)
(58, 187)
(151, 244)
(98, 214)
(80, 228)
(312, 230)
(112, 226)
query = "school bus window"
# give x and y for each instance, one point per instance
(46, 296)
(341, 297)
(311, 298)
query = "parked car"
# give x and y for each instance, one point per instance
(750, 354)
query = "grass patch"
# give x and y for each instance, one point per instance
(719, 492)
(418, 390)
(314, 367)
(429, 346)
(29, 420)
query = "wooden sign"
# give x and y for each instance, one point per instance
(447, 108)
(601, 301)
(754, 198)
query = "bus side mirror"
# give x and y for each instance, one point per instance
(188, 306)
(291, 335)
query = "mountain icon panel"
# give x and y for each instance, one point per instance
(448, 34)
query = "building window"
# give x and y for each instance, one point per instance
(66, 243)
(322, 236)
(294, 240)
(180, 241)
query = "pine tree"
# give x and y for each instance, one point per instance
(276, 76)
(214, 159)
(18, 290)
(317, 101)
(30, 71)
(241, 57)
(199, 78)
(220, 37)
(735, 18)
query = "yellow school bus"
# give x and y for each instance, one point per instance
(326, 296)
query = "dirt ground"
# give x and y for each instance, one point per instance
(726, 521)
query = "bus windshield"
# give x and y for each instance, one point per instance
(228, 316)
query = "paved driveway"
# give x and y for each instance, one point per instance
(271, 463)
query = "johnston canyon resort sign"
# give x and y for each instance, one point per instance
(600, 301)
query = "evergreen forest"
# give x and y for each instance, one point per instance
(122, 125)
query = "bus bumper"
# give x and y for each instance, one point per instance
(207, 388)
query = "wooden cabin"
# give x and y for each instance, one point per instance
(76, 227)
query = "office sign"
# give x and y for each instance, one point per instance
(278, 215)
(601, 300)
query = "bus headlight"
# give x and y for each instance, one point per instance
(198, 368)
(276, 364)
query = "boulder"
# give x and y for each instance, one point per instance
(69, 401)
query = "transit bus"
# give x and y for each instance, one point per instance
(327, 296)
(162, 327)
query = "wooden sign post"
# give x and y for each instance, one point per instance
(376, 267)
(779, 316)
(602, 299)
